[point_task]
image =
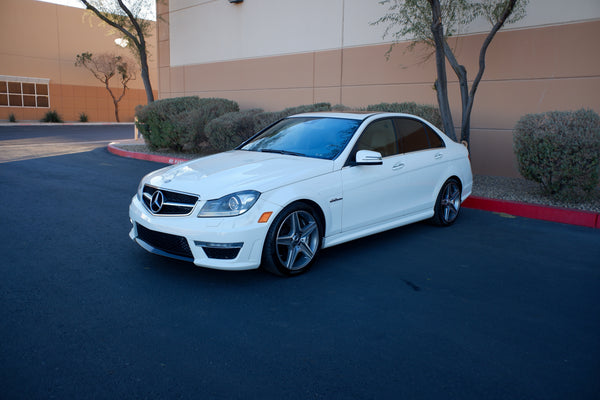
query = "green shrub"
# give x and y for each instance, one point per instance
(178, 123)
(195, 121)
(267, 118)
(52, 116)
(83, 117)
(560, 150)
(229, 130)
(12, 118)
(342, 108)
(160, 124)
(427, 112)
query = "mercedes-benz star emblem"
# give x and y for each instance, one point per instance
(156, 203)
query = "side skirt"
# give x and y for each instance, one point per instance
(373, 229)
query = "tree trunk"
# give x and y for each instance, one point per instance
(146, 76)
(466, 129)
(441, 84)
(141, 45)
(117, 111)
(461, 74)
(114, 99)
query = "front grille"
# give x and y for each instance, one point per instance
(173, 203)
(172, 244)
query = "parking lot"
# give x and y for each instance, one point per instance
(494, 307)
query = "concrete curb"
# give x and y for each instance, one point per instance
(546, 213)
(143, 156)
(534, 211)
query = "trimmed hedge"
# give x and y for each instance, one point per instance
(229, 130)
(560, 150)
(193, 124)
(427, 112)
(178, 123)
(267, 118)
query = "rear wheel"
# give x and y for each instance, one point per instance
(292, 241)
(447, 205)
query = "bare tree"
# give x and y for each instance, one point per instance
(431, 22)
(104, 67)
(129, 21)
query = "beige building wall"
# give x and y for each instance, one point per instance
(41, 40)
(266, 54)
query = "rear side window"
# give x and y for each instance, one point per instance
(434, 139)
(413, 135)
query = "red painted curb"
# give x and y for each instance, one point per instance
(143, 156)
(546, 213)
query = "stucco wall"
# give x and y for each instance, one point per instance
(546, 62)
(41, 40)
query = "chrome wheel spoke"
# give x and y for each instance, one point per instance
(305, 248)
(295, 222)
(285, 240)
(291, 258)
(308, 230)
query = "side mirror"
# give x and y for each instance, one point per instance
(368, 157)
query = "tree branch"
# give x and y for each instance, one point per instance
(507, 11)
(135, 24)
(113, 24)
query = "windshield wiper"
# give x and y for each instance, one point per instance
(289, 153)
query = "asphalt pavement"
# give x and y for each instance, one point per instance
(494, 307)
(24, 142)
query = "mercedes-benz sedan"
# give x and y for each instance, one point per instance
(306, 182)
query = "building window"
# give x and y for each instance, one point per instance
(18, 91)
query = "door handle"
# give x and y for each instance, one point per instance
(397, 166)
(438, 156)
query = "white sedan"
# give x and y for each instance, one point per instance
(307, 182)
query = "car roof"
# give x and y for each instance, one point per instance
(330, 114)
(356, 115)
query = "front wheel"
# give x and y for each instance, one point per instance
(447, 205)
(292, 241)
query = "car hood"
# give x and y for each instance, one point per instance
(215, 176)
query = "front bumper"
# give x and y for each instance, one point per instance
(230, 243)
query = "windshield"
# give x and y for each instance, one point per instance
(317, 137)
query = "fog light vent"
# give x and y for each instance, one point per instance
(220, 251)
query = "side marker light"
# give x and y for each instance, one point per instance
(265, 217)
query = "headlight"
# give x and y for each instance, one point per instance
(230, 205)
(140, 189)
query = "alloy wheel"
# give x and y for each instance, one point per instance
(450, 202)
(297, 240)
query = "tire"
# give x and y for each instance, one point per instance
(293, 241)
(447, 205)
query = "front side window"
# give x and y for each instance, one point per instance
(317, 137)
(379, 136)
